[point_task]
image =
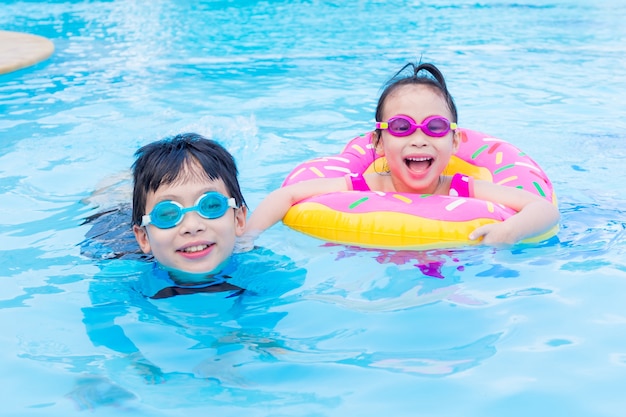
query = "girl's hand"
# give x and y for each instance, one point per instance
(495, 234)
(535, 215)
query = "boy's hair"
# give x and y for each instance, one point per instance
(166, 161)
(434, 78)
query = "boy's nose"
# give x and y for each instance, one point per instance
(192, 223)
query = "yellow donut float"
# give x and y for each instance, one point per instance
(404, 221)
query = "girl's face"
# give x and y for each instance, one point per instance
(416, 161)
(196, 245)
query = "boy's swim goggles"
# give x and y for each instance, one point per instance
(167, 214)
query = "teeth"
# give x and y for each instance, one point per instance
(196, 248)
(425, 158)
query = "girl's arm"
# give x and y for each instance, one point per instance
(535, 215)
(274, 207)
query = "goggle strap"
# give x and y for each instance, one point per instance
(382, 125)
(145, 220)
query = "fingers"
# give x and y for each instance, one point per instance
(479, 232)
(495, 234)
(245, 242)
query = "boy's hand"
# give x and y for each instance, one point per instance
(245, 242)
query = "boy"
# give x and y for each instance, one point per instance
(188, 208)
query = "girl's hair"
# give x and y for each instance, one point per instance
(167, 161)
(416, 76)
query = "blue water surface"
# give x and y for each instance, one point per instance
(321, 330)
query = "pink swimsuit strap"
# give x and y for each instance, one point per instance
(461, 186)
(357, 182)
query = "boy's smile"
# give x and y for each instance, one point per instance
(196, 250)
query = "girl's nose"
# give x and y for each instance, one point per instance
(418, 138)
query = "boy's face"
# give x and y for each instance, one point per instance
(196, 245)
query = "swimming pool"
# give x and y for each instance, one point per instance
(324, 330)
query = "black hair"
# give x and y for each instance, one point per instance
(433, 78)
(164, 162)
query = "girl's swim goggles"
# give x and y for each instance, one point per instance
(400, 125)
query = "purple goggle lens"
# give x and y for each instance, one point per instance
(435, 126)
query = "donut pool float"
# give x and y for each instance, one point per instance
(405, 221)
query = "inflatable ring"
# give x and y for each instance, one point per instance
(413, 221)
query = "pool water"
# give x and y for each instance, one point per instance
(322, 329)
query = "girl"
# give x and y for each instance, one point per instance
(416, 132)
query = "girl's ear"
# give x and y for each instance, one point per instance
(456, 141)
(240, 220)
(377, 141)
(141, 236)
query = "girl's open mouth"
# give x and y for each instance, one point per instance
(418, 164)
